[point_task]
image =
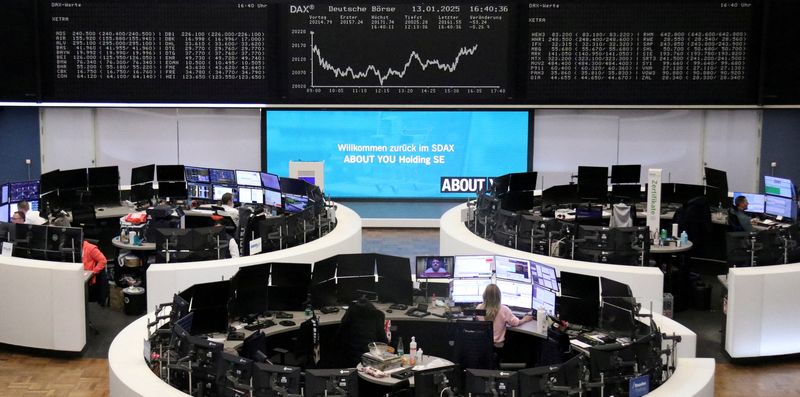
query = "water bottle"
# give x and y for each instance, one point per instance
(400, 350)
(684, 239)
(412, 351)
(541, 319)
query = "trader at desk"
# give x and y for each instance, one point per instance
(738, 219)
(500, 316)
(227, 204)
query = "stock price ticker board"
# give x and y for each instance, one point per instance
(642, 52)
(430, 52)
(154, 50)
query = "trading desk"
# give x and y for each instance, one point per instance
(129, 374)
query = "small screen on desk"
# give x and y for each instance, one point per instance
(515, 294)
(248, 178)
(468, 290)
(434, 266)
(779, 206)
(251, 195)
(512, 268)
(473, 266)
(543, 297)
(220, 190)
(4, 214)
(4, 194)
(755, 202)
(272, 198)
(544, 276)
(778, 186)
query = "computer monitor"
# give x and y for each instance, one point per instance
(219, 190)
(508, 268)
(293, 186)
(3, 194)
(626, 173)
(275, 380)
(270, 181)
(716, 178)
(73, 179)
(544, 276)
(580, 286)
(104, 176)
(473, 266)
(108, 194)
(219, 176)
(143, 174)
(516, 295)
(778, 186)
(143, 192)
(249, 195)
(522, 181)
(486, 382)
(585, 312)
(18, 191)
(615, 289)
(617, 319)
(500, 184)
(233, 373)
(331, 382)
(592, 176)
(544, 298)
(755, 202)
(179, 309)
(173, 190)
(468, 291)
(249, 290)
(349, 289)
(248, 178)
(49, 181)
(630, 194)
(434, 266)
(170, 173)
(64, 244)
(197, 174)
(780, 206)
(273, 198)
(293, 203)
(201, 191)
(435, 381)
(4, 214)
(551, 380)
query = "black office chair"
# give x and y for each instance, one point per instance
(484, 215)
(531, 235)
(474, 345)
(305, 352)
(361, 324)
(506, 224)
(733, 221)
(741, 248)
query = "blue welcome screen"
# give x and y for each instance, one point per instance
(397, 154)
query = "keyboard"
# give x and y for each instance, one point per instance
(519, 315)
(403, 374)
(284, 315)
(398, 306)
(329, 309)
(259, 325)
(417, 313)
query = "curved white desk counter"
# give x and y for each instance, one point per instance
(762, 311)
(129, 374)
(43, 304)
(647, 283)
(165, 279)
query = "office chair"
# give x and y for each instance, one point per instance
(84, 217)
(305, 349)
(531, 235)
(474, 345)
(279, 237)
(308, 225)
(733, 221)
(361, 324)
(484, 215)
(506, 224)
(741, 248)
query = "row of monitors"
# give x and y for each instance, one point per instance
(486, 266)
(52, 243)
(785, 207)
(15, 192)
(79, 179)
(203, 175)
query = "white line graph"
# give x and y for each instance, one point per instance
(373, 71)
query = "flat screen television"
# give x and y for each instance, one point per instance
(434, 266)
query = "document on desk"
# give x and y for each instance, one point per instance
(8, 248)
(580, 344)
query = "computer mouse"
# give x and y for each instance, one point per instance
(287, 323)
(388, 310)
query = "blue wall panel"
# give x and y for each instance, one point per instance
(19, 140)
(780, 142)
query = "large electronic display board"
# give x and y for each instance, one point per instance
(391, 52)
(154, 50)
(642, 52)
(397, 153)
(18, 78)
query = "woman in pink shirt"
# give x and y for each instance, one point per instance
(499, 314)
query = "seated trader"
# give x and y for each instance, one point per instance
(233, 246)
(227, 204)
(93, 259)
(499, 314)
(18, 217)
(435, 268)
(738, 220)
(361, 324)
(31, 217)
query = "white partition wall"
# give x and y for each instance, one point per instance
(43, 304)
(762, 311)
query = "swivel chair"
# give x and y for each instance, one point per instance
(474, 345)
(506, 225)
